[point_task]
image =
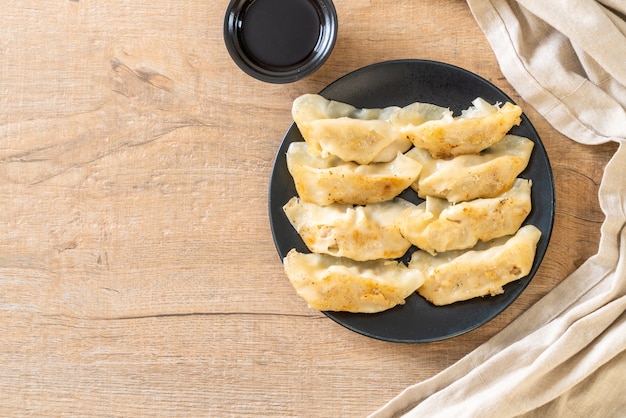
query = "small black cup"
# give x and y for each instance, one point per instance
(280, 41)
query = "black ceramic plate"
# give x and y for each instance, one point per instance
(400, 83)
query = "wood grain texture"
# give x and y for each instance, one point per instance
(138, 276)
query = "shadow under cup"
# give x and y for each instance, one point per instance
(280, 41)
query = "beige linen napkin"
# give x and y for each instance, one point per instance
(566, 355)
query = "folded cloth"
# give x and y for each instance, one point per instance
(566, 355)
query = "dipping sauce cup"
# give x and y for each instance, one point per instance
(280, 41)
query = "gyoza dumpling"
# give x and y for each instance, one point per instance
(331, 180)
(437, 226)
(478, 127)
(330, 283)
(357, 232)
(460, 275)
(467, 177)
(360, 135)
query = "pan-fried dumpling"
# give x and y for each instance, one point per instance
(479, 127)
(460, 275)
(438, 226)
(361, 135)
(357, 232)
(467, 177)
(330, 283)
(327, 180)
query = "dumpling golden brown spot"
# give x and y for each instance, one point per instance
(357, 232)
(330, 283)
(460, 275)
(468, 177)
(360, 135)
(331, 180)
(438, 226)
(478, 128)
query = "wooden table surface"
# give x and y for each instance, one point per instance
(138, 275)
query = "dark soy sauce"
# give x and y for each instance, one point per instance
(280, 33)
